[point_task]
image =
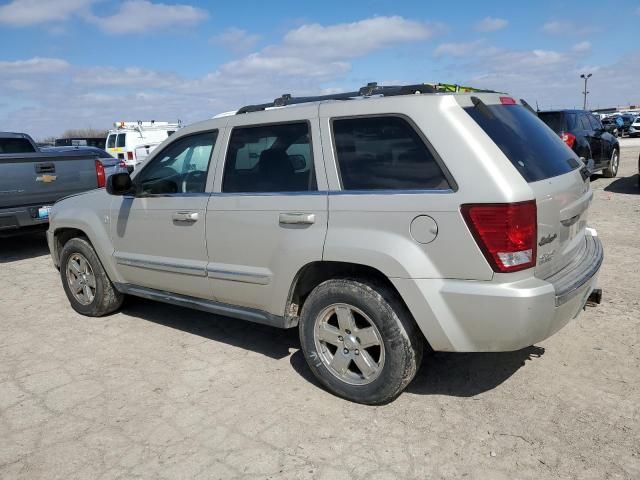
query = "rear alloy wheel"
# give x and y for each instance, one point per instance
(612, 170)
(359, 340)
(85, 282)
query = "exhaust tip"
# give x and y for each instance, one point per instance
(595, 297)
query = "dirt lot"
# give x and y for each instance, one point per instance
(163, 392)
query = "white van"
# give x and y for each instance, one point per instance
(133, 141)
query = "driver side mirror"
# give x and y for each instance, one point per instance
(119, 184)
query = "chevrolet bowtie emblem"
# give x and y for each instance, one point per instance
(46, 178)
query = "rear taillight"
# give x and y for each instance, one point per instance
(129, 155)
(569, 139)
(100, 175)
(505, 232)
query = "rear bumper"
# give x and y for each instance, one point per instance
(18, 218)
(476, 316)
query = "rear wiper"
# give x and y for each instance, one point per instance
(482, 107)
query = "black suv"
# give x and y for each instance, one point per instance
(584, 134)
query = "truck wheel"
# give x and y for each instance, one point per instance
(85, 282)
(612, 170)
(359, 340)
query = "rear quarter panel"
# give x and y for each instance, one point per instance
(374, 228)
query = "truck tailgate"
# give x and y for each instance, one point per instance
(42, 179)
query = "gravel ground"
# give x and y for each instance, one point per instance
(162, 392)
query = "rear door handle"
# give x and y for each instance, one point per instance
(188, 217)
(297, 219)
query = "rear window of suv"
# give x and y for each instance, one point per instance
(535, 150)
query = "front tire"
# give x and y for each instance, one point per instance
(85, 282)
(360, 341)
(612, 170)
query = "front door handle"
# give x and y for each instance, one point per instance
(297, 219)
(189, 217)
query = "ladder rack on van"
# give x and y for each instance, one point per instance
(146, 125)
(369, 90)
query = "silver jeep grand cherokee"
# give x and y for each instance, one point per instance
(377, 221)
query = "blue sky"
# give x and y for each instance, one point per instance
(79, 63)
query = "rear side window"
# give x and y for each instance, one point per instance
(384, 153)
(15, 145)
(122, 140)
(270, 158)
(535, 150)
(584, 122)
(111, 141)
(555, 121)
(595, 123)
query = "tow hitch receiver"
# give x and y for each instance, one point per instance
(595, 297)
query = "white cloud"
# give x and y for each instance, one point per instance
(36, 65)
(565, 27)
(351, 40)
(237, 40)
(321, 52)
(458, 49)
(582, 47)
(491, 24)
(22, 13)
(138, 16)
(125, 77)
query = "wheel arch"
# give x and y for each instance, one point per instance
(314, 273)
(64, 233)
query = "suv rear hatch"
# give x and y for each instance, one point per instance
(557, 177)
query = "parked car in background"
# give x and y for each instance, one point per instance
(587, 137)
(370, 224)
(31, 180)
(634, 128)
(627, 120)
(111, 165)
(82, 142)
(610, 125)
(133, 141)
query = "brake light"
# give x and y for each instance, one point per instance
(505, 232)
(507, 101)
(569, 139)
(129, 155)
(100, 175)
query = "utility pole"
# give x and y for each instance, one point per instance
(586, 78)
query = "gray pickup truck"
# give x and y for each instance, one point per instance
(31, 181)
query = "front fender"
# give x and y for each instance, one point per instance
(89, 213)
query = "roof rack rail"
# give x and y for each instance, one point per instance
(371, 89)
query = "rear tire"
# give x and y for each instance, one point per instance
(612, 170)
(85, 282)
(360, 341)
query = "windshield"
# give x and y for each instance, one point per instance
(534, 149)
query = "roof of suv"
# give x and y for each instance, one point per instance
(370, 90)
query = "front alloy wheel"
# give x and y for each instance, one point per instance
(82, 281)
